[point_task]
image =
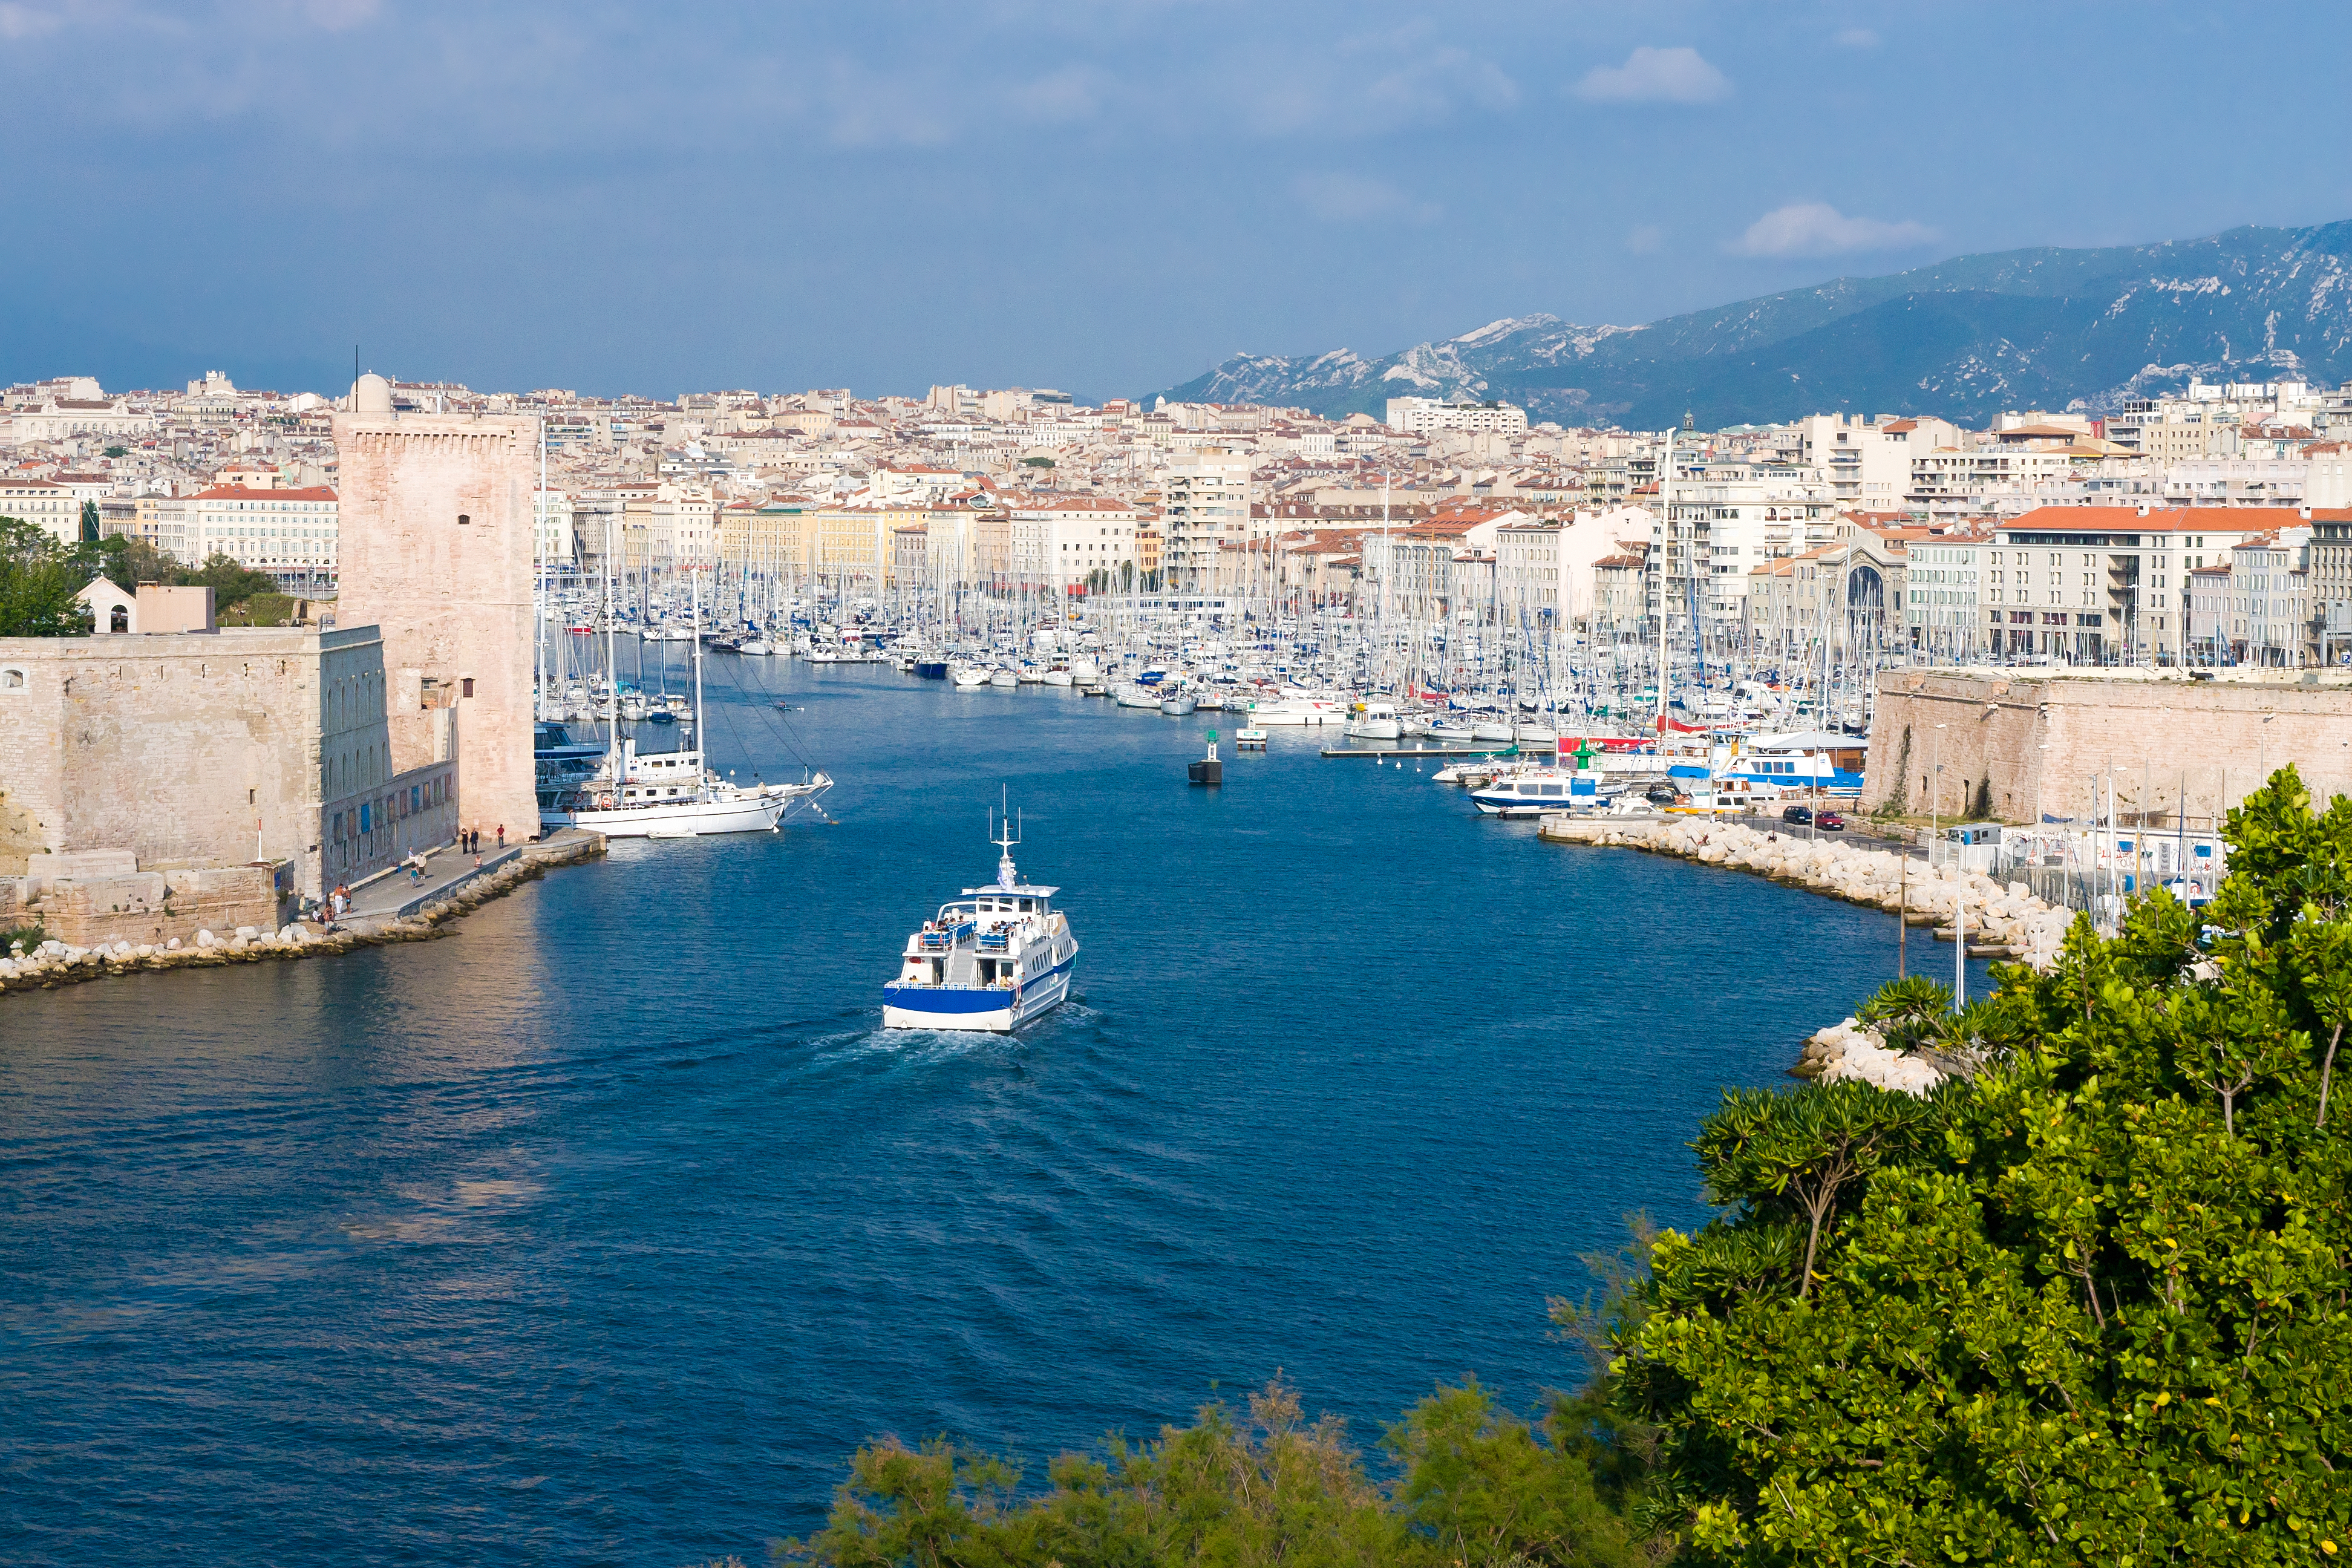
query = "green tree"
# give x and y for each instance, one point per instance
(38, 579)
(231, 582)
(127, 561)
(2092, 1309)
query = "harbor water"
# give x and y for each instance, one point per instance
(603, 1230)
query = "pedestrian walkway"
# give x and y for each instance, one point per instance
(445, 870)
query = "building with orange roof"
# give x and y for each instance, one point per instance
(292, 534)
(2108, 584)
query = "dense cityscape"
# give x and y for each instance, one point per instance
(2211, 527)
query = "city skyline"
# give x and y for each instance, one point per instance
(1107, 202)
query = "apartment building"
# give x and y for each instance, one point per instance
(1953, 484)
(2108, 584)
(1736, 516)
(1868, 462)
(2330, 565)
(48, 506)
(167, 523)
(1078, 539)
(291, 534)
(1943, 610)
(2270, 597)
(2208, 614)
(1204, 501)
(552, 522)
(1429, 416)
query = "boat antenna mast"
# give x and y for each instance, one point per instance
(1011, 829)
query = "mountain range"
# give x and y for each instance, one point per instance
(1966, 339)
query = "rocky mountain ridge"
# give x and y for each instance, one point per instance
(1967, 338)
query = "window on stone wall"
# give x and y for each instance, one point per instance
(12, 680)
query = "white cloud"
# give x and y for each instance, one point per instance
(28, 21)
(1655, 75)
(1429, 88)
(1073, 93)
(336, 15)
(1356, 198)
(1817, 229)
(865, 108)
(1646, 239)
(1857, 39)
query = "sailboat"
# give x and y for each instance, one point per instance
(664, 794)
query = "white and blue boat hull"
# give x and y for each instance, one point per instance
(995, 1009)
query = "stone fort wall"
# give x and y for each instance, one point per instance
(187, 749)
(2011, 743)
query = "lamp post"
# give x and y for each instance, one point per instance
(1936, 791)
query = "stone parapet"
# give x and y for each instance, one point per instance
(2015, 746)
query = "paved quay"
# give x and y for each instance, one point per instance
(448, 869)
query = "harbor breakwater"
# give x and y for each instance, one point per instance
(2002, 920)
(53, 964)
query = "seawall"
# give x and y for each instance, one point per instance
(58, 964)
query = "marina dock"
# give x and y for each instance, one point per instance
(1422, 752)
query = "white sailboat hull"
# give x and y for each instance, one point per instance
(755, 810)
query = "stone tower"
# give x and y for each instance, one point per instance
(436, 549)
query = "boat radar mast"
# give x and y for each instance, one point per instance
(1008, 824)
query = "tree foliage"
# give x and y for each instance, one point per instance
(1475, 1485)
(38, 579)
(2088, 1307)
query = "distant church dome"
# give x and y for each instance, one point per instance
(371, 393)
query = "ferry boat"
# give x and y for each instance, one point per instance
(992, 960)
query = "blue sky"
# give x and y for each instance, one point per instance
(1102, 196)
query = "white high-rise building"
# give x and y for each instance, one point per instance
(1426, 416)
(1204, 503)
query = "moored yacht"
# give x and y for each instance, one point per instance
(992, 960)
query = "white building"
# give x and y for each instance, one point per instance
(1071, 538)
(52, 508)
(2108, 583)
(554, 540)
(1733, 518)
(1868, 462)
(2270, 597)
(290, 534)
(63, 418)
(1204, 504)
(1943, 607)
(1548, 569)
(1427, 416)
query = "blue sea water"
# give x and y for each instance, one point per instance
(603, 1230)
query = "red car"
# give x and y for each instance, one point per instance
(1829, 822)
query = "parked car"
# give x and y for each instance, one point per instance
(1830, 822)
(1798, 814)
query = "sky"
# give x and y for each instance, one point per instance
(1101, 196)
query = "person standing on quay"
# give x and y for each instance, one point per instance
(502, 836)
